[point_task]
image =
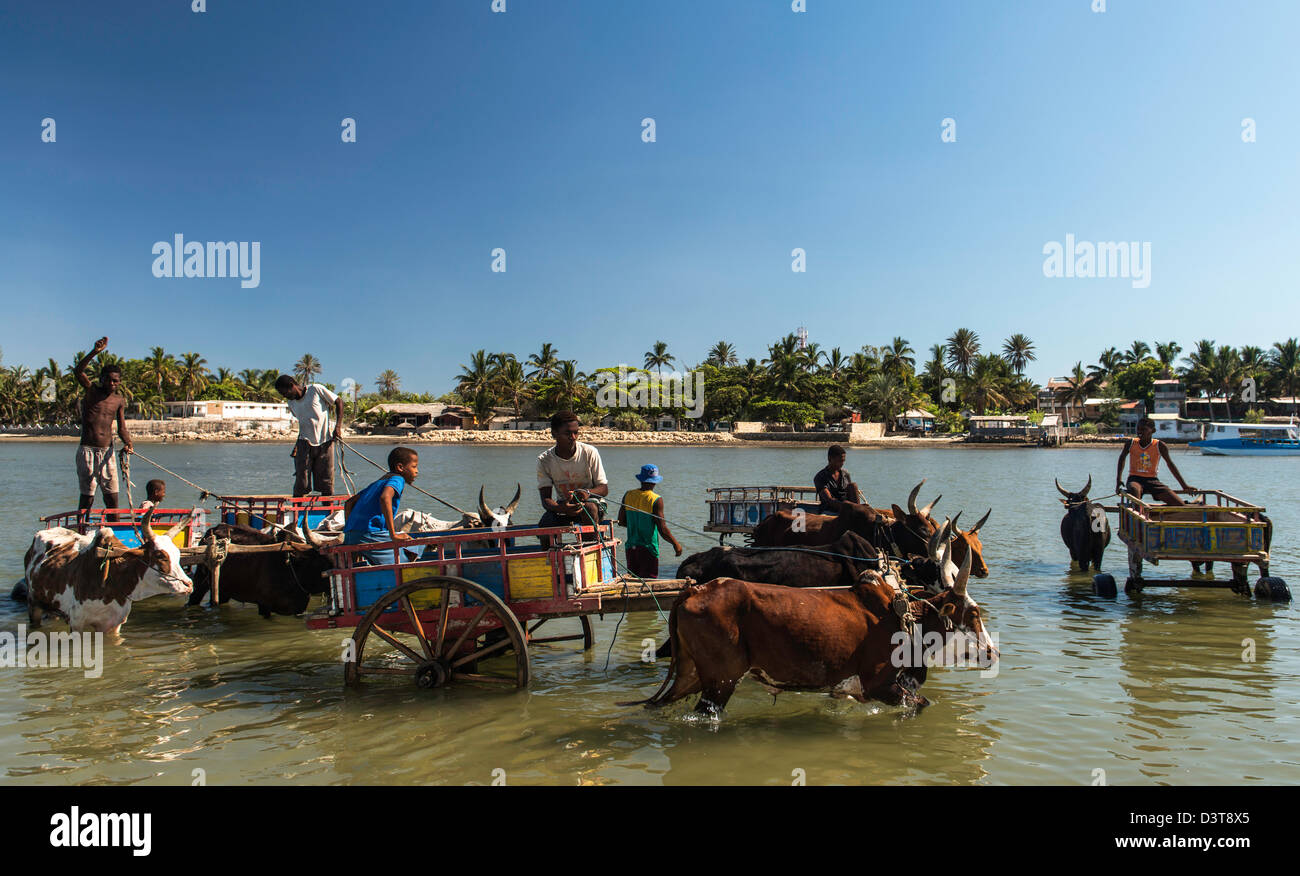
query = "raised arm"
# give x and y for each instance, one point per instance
(79, 370)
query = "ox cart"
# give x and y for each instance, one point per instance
(465, 605)
(740, 509)
(1216, 528)
(122, 523)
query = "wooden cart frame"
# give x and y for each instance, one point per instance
(472, 595)
(1223, 529)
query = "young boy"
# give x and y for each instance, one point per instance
(1144, 456)
(368, 516)
(155, 492)
(643, 515)
(833, 484)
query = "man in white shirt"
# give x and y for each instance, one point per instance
(313, 454)
(573, 471)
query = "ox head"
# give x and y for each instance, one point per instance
(913, 528)
(954, 605)
(162, 559)
(967, 544)
(1073, 500)
(499, 518)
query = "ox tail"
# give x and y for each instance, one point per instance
(667, 692)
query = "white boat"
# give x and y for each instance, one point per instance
(1250, 439)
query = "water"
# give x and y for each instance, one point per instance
(1152, 690)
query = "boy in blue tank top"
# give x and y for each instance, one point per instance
(369, 514)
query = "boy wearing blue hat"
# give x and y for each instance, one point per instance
(643, 515)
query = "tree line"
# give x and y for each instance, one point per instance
(797, 383)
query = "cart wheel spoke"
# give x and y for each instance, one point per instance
(482, 652)
(418, 627)
(444, 612)
(460, 640)
(393, 640)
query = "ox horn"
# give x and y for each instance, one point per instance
(485, 514)
(911, 497)
(982, 521)
(1088, 487)
(940, 537)
(514, 503)
(146, 533)
(312, 540)
(955, 531)
(925, 512)
(181, 524)
(1060, 489)
(963, 575)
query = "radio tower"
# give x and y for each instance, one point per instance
(802, 334)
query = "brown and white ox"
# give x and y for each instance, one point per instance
(841, 641)
(91, 580)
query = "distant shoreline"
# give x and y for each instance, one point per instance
(600, 437)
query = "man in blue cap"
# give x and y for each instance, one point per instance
(642, 513)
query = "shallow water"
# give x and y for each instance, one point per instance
(1152, 689)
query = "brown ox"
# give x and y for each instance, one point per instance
(904, 532)
(91, 580)
(968, 542)
(803, 640)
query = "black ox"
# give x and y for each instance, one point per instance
(278, 583)
(1084, 529)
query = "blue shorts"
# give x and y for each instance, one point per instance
(371, 558)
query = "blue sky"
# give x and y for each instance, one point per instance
(522, 130)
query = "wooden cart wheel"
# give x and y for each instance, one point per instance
(433, 650)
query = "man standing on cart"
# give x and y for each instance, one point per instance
(1143, 455)
(313, 454)
(573, 471)
(101, 407)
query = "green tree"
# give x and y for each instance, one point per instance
(1018, 350)
(962, 348)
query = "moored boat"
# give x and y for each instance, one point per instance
(1250, 439)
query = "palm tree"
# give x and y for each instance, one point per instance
(722, 354)
(512, 383)
(159, 367)
(963, 347)
(786, 378)
(935, 373)
(884, 395)
(193, 374)
(388, 383)
(477, 376)
(987, 384)
(1080, 387)
(1196, 372)
(811, 356)
(1225, 374)
(1018, 350)
(860, 368)
(899, 358)
(1284, 359)
(543, 363)
(658, 357)
(568, 386)
(1138, 351)
(836, 363)
(1167, 353)
(787, 346)
(1108, 364)
(306, 369)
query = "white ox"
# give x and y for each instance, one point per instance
(91, 580)
(410, 520)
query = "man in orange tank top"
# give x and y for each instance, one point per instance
(1144, 454)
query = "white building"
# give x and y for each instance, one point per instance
(239, 414)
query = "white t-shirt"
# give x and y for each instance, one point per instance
(582, 472)
(313, 413)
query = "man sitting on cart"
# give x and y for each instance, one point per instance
(574, 471)
(1143, 455)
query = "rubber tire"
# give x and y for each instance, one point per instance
(1272, 588)
(1104, 585)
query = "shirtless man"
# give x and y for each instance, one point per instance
(102, 405)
